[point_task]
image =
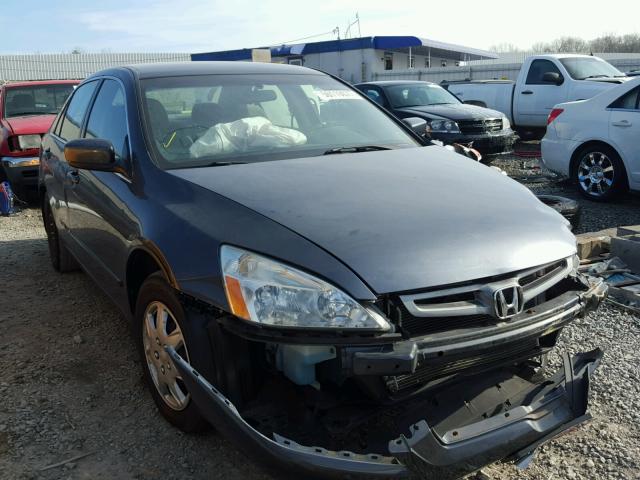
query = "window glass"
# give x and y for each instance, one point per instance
(35, 100)
(418, 94)
(72, 121)
(252, 118)
(628, 101)
(108, 119)
(581, 68)
(388, 61)
(272, 105)
(538, 69)
(374, 95)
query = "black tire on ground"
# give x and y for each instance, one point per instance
(610, 158)
(61, 260)
(193, 327)
(568, 208)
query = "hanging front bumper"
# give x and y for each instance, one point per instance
(553, 406)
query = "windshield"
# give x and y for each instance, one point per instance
(35, 100)
(581, 68)
(419, 94)
(216, 119)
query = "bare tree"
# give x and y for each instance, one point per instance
(505, 47)
(604, 44)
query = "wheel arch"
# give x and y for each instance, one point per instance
(143, 261)
(575, 156)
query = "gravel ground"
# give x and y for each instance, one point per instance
(72, 385)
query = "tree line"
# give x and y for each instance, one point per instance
(610, 43)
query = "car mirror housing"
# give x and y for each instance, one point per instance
(418, 125)
(91, 154)
(553, 77)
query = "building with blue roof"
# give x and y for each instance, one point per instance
(359, 59)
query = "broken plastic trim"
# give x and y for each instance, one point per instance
(514, 434)
(279, 452)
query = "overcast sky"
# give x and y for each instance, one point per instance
(46, 26)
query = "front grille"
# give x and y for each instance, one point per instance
(486, 359)
(475, 127)
(471, 305)
(418, 326)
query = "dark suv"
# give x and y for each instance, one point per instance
(303, 273)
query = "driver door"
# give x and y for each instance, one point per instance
(537, 97)
(99, 219)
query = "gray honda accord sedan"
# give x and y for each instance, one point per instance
(305, 274)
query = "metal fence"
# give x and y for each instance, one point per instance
(74, 66)
(490, 70)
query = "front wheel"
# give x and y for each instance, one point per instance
(600, 173)
(160, 320)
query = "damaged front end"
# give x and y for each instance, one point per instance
(548, 409)
(449, 391)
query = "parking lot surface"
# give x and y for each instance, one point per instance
(71, 381)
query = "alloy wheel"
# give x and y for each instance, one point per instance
(596, 173)
(160, 329)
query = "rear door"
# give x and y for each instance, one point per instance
(57, 173)
(624, 132)
(535, 99)
(99, 219)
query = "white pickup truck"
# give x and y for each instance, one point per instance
(543, 81)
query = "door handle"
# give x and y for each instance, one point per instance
(527, 92)
(73, 177)
(47, 153)
(622, 123)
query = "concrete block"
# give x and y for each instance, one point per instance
(594, 244)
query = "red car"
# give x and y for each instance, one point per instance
(27, 110)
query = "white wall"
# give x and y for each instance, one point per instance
(348, 64)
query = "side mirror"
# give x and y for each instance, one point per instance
(418, 125)
(91, 154)
(553, 77)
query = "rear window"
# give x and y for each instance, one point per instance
(35, 100)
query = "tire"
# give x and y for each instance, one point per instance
(174, 403)
(599, 173)
(568, 208)
(61, 260)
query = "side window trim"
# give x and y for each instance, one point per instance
(86, 113)
(85, 120)
(536, 81)
(126, 115)
(636, 108)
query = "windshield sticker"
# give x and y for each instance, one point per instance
(327, 95)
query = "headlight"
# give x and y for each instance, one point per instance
(268, 292)
(444, 126)
(26, 142)
(506, 124)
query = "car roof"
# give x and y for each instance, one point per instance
(387, 83)
(155, 70)
(11, 84)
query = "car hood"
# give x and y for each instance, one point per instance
(30, 124)
(403, 219)
(454, 111)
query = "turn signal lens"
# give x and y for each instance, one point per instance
(555, 113)
(236, 300)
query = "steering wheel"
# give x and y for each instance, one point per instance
(182, 138)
